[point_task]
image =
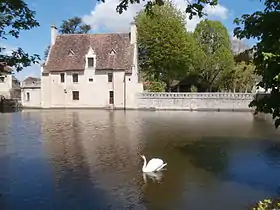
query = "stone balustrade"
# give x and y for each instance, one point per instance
(195, 101)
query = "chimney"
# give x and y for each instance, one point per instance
(133, 33)
(53, 34)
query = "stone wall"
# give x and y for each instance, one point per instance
(195, 101)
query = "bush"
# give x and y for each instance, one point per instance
(154, 86)
(267, 204)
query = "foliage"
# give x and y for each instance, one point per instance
(194, 7)
(267, 204)
(216, 61)
(165, 48)
(244, 77)
(46, 52)
(15, 17)
(73, 25)
(193, 89)
(154, 86)
(265, 26)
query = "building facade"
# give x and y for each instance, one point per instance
(9, 85)
(91, 70)
(31, 92)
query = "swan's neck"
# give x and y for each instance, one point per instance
(145, 163)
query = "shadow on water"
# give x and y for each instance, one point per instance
(254, 164)
(210, 154)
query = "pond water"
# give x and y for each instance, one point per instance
(89, 159)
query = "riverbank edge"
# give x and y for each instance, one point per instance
(148, 109)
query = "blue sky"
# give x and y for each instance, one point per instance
(103, 18)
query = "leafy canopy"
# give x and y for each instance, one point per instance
(74, 25)
(265, 27)
(15, 17)
(217, 59)
(165, 48)
(194, 7)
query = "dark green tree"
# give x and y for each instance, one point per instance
(74, 25)
(265, 27)
(16, 17)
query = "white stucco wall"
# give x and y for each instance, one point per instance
(6, 86)
(93, 94)
(34, 97)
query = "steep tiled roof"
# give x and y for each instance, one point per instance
(102, 44)
(31, 82)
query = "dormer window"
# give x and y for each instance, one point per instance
(90, 59)
(71, 52)
(90, 62)
(113, 52)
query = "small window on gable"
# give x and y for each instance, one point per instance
(90, 62)
(71, 52)
(90, 79)
(113, 52)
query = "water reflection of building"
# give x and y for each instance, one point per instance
(111, 152)
(96, 149)
(72, 178)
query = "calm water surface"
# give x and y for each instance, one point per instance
(88, 159)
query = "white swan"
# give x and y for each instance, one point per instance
(153, 165)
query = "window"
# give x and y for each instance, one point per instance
(62, 77)
(111, 97)
(75, 77)
(75, 95)
(2, 79)
(110, 77)
(90, 62)
(90, 79)
(27, 96)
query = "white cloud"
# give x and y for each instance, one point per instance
(104, 15)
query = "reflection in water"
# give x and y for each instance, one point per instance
(153, 176)
(89, 159)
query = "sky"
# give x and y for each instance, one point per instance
(104, 18)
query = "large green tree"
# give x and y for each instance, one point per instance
(217, 60)
(16, 17)
(73, 25)
(165, 48)
(265, 27)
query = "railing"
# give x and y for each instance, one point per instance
(216, 95)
